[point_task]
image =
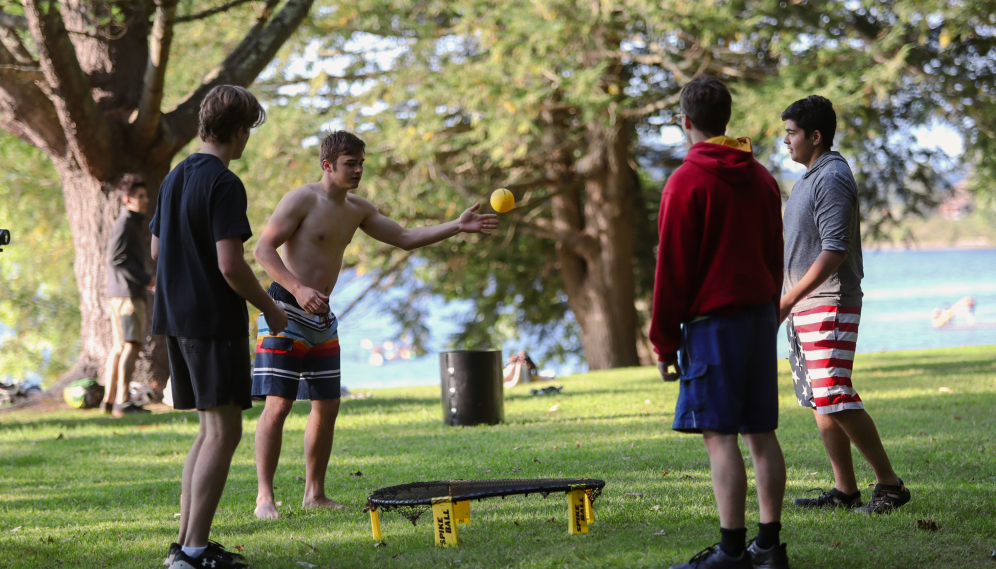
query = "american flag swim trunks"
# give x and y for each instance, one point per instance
(821, 351)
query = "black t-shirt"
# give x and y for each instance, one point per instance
(200, 202)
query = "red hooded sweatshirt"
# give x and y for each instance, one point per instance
(721, 243)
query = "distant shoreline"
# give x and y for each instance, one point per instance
(960, 245)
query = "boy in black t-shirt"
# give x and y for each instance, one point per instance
(202, 286)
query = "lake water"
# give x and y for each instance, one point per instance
(902, 288)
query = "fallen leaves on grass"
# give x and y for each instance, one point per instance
(103, 451)
(280, 503)
(537, 460)
(356, 474)
(659, 533)
(927, 525)
(396, 557)
(958, 418)
(836, 544)
(515, 448)
(380, 544)
(517, 524)
(59, 437)
(664, 473)
(239, 547)
(15, 530)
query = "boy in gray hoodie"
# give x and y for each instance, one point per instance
(822, 302)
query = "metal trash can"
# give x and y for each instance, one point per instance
(472, 390)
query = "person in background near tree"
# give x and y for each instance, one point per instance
(719, 276)
(127, 281)
(822, 303)
(313, 224)
(202, 286)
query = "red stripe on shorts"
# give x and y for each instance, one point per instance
(829, 344)
(836, 400)
(841, 309)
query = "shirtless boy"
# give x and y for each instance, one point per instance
(314, 223)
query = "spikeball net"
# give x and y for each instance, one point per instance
(413, 500)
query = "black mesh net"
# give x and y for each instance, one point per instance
(413, 500)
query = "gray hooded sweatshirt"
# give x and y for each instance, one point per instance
(822, 215)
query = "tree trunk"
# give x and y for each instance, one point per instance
(91, 210)
(597, 264)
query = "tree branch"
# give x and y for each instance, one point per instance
(652, 107)
(12, 21)
(241, 66)
(210, 12)
(26, 72)
(26, 111)
(149, 112)
(10, 40)
(91, 138)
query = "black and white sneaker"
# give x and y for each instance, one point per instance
(214, 557)
(174, 548)
(832, 499)
(887, 498)
(774, 558)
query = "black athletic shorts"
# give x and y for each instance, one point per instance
(210, 372)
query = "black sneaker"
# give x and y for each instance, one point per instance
(832, 499)
(127, 409)
(173, 549)
(774, 558)
(219, 549)
(207, 560)
(713, 557)
(887, 498)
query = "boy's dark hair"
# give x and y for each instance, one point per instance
(814, 113)
(341, 143)
(225, 110)
(708, 104)
(129, 185)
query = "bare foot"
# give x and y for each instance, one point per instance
(267, 511)
(322, 502)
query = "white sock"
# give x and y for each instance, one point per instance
(193, 552)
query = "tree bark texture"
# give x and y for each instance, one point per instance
(92, 101)
(595, 227)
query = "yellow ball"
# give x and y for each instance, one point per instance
(502, 200)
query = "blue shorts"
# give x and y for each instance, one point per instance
(729, 373)
(302, 362)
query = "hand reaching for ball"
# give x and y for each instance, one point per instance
(472, 222)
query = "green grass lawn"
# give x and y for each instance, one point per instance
(78, 489)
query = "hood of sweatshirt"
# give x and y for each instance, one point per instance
(729, 159)
(823, 161)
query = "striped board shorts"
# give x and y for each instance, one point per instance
(302, 362)
(821, 351)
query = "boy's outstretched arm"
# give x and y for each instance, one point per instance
(388, 231)
(285, 220)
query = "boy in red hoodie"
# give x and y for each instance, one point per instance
(719, 278)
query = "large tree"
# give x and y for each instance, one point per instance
(558, 100)
(84, 81)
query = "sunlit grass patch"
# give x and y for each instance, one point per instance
(89, 491)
